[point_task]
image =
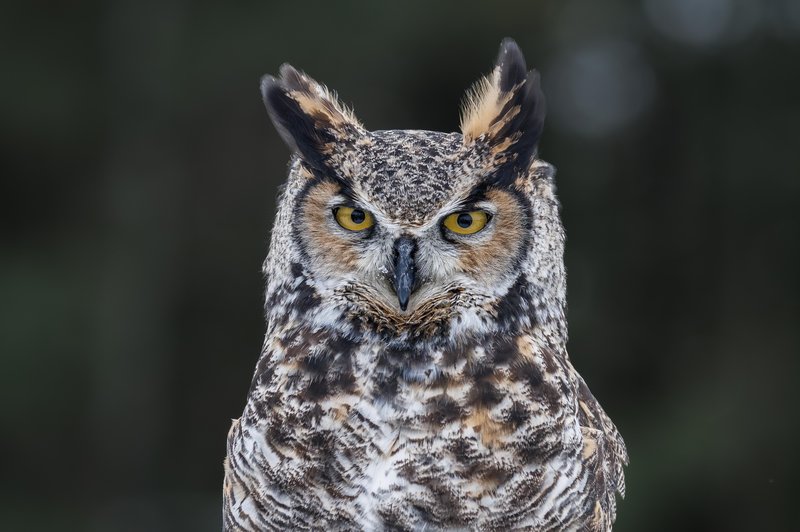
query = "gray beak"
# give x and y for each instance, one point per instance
(404, 269)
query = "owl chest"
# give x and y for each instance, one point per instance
(379, 438)
(395, 462)
(392, 456)
(396, 469)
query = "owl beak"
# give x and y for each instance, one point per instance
(404, 269)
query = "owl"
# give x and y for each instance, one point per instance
(414, 373)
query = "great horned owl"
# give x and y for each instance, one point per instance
(414, 374)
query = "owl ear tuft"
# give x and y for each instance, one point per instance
(506, 110)
(308, 116)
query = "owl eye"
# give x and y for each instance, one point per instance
(466, 222)
(353, 219)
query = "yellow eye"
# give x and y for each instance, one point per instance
(353, 219)
(466, 222)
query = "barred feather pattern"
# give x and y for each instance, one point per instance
(478, 423)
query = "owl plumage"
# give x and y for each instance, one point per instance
(414, 373)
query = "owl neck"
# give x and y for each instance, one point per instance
(313, 350)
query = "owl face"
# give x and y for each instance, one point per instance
(405, 226)
(409, 235)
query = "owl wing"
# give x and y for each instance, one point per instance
(604, 450)
(595, 418)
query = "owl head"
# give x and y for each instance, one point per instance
(410, 232)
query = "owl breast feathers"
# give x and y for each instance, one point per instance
(414, 373)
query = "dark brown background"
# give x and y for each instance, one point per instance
(139, 175)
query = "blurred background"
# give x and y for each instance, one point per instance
(139, 180)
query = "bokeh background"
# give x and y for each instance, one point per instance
(139, 177)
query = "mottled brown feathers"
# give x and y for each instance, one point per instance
(458, 411)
